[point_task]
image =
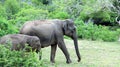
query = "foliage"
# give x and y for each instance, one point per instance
(2, 12)
(94, 32)
(10, 58)
(6, 28)
(100, 11)
(30, 14)
(72, 7)
(14, 15)
(12, 7)
(38, 2)
(59, 15)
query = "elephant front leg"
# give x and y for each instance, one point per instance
(39, 54)
(53, 52)
(62, 46)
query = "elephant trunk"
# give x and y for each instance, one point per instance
(76, 46)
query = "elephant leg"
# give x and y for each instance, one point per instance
(53, 52)
(64, 50)
(40, 54)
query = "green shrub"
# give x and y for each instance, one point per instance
(118, 30)
(59, 15)
(71, 7)
(37, 2)
(94, 32)
(95, 10)
(21, 58)
(29, 14)
(7, 27)
(2, 11)
(12, 7)
(109, 35)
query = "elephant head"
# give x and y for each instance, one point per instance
(69, 30)
(34, 42)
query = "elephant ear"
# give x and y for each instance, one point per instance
(65, 25)
(69, 20)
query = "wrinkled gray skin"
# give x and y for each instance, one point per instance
(51, 33)
(19, 41)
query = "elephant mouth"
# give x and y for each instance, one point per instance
(70, 34)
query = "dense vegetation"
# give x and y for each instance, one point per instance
(95, 19)
(21, 58)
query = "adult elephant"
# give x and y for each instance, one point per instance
(51, 33)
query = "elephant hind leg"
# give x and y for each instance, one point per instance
(53, 52)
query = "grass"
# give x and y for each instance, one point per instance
(93, 53)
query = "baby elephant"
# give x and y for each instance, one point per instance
(19, 41)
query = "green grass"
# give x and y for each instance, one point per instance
(93, 53)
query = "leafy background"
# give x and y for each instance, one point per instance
(95, 19)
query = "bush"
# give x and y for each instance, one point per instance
(100, 11)
(29, 14)
(21, 58)
(71, 7)
(6, 27)
(12, 7)
(58, 15)
(2, 11)
(94, 32)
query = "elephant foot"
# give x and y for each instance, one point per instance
(79, 59)
(40, 57)
(52, 63)
(68, 61)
